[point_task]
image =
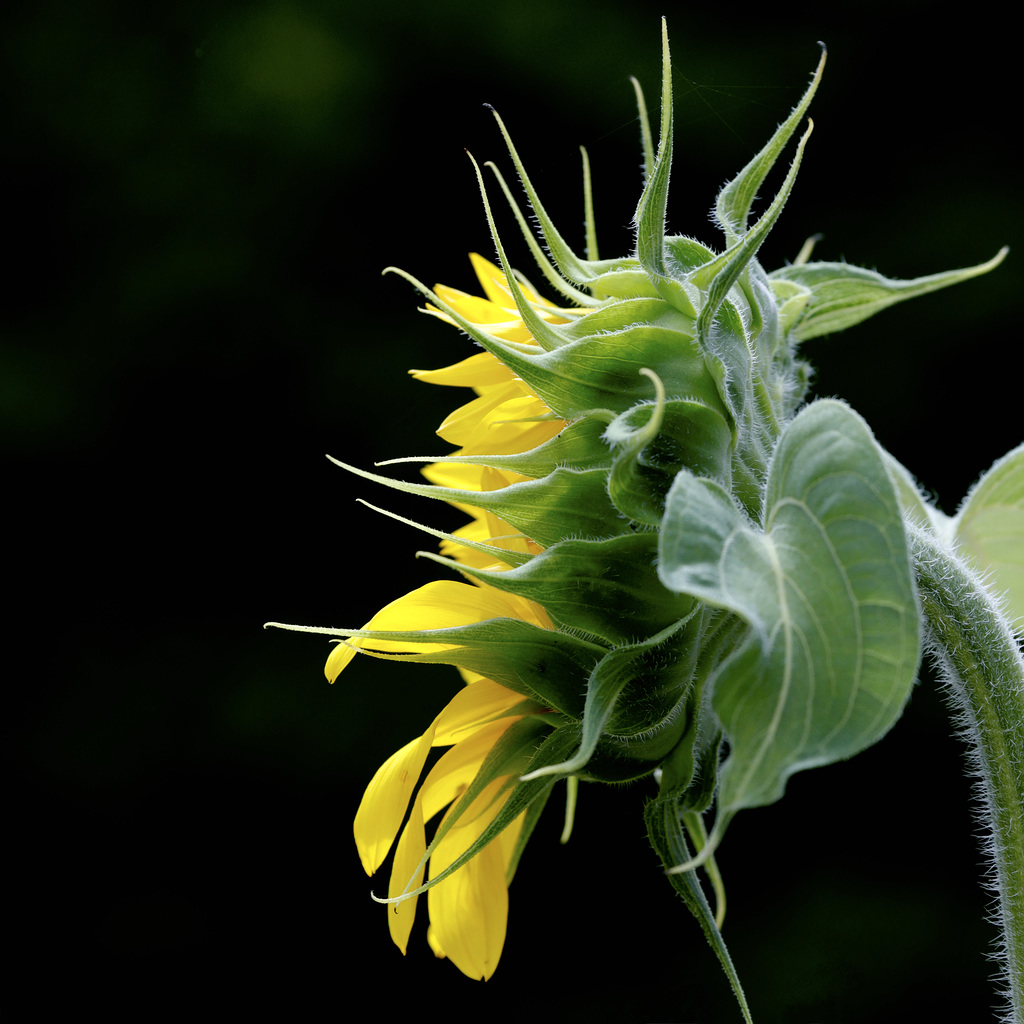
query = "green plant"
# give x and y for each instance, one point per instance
(677, 566)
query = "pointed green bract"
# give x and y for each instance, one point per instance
(607, 589)
(732, 208)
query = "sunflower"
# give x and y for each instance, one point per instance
(620, 464)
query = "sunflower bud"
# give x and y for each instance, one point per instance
(667, 556)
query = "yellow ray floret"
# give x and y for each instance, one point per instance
(469, 908)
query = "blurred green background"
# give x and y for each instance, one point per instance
(200, 200)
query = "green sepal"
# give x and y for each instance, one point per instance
(720, 275)
(844, 295)
(689, 774)
(598, 365)
(792, 299)
(607, 588)
(707, 753)
(732, 207)
(579, 446)
(551, 275)
(689, 433)
(828, 594)
(542, 664)
(582, 272)
(498, 549)
(732, 358)
(635, 709)
(628, 281)
(533, 812)
(685, 255)
(649, 218)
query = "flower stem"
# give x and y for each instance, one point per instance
(980, 662)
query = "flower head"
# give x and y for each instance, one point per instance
(627, 467)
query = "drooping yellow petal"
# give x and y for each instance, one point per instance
(478, 371)
(472, 708)
(387, 796)
(454, 771)
(407, 872)
(469, 909)
(468, 721)
(441, 604)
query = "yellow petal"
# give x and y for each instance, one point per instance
(470, 709)
(474, 308)
(469, 715)
(441, 604)
(458, 767)
(341, 654)
(502, 421)
(493, 281)
(495, 285)
(480, 370)
(387, 796)
(407, 873)
(466, 477)
(469, 910)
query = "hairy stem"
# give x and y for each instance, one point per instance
(980, 662)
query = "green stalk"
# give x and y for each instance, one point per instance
(980, 662)
(665, 830)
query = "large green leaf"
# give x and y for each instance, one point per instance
(990, 529)
(827, 590)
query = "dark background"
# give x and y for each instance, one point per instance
(200, 199)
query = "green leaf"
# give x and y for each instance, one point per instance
(990, 530)
(827, 591)
(843, 295)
